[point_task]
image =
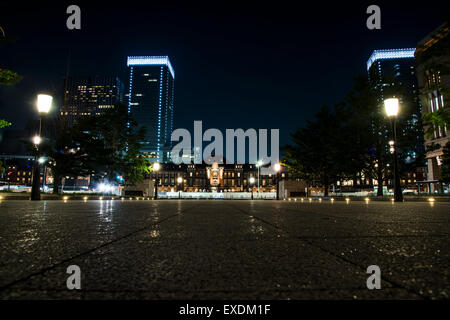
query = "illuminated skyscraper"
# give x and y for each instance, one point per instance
(151, 102)
(90, 96)
(395, 69)
(385, 66)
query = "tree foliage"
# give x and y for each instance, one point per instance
(351, 140)
(445, 168)
(112, 142)
(4, 123)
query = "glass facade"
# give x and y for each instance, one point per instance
(151, 102)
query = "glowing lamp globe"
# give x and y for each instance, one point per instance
(391, 107)
(44, 102)
(37, 140)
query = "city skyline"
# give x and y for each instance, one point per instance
(283, 76)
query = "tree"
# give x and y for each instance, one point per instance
(65, 158)
(374, 132)
(368, 122)
(111, 142)
(2, 169)
(351, 141)
(320, 153)
(4, 123)
(445, 168)
(7, 77)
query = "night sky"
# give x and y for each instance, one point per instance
(237, 64)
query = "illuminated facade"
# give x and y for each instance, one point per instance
(390, 54)
(91, 96)
(214, 177)
(151, 102)
(434, 81)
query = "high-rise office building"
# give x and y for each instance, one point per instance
(90, 96)
(151, 102)
(385, 66)
(396, 68)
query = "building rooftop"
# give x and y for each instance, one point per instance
(386, 54)
(151, 61)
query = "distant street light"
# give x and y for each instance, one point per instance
(392, 107)
(252, 181)
(277, 168)
(37, 140)
(179, 180)
(156, 167)
(43, 104)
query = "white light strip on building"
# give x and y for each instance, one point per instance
(151, 61)
(390, 54)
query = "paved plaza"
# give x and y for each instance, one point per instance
(189, 249)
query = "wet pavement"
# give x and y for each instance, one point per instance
(188, 249)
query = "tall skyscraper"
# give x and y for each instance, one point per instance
(90, 96)
(151, 102)
(392, 64)
(396, 67)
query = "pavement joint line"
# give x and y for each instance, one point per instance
(43, 270)
(386, 279)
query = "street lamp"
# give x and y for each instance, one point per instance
(156, 167)
(277, 168)
(37, 140)
(252, 181)
(43, 104)
(179, 180)
(392, 107)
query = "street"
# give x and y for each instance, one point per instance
(190, 249)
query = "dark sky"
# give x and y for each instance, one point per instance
(238, 64)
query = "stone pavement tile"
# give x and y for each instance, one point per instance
(418, 264)
(223, 249)
(195, 266)
(34, 235)
(339, 219)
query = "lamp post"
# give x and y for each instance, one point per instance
(392, 106)
(252, 181)
(277, 168)
(179, 180)
(43, 104)
(156, 167)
